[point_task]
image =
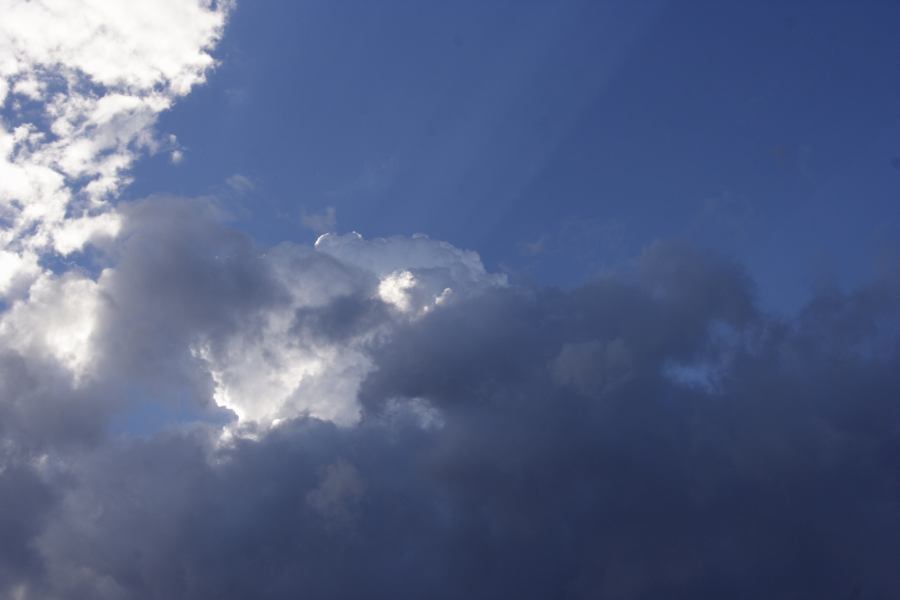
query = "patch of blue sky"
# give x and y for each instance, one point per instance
(144, 415)
(558, 139)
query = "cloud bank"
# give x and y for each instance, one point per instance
(648, 435)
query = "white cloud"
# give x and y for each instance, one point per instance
(17, 271)
(100, 72)
(130, 45)
(384, 256)
(75, 233)
(289, 362)
(394, 289)
(55, 323)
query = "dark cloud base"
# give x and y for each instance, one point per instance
(651, 435)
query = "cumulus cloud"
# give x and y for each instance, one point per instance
(296, 341)
(508, 441)
(197, 312)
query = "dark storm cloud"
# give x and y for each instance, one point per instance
(524, 442)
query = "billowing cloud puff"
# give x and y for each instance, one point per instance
(275, 334)
(652, 434)
(308, 355)
(81, 85)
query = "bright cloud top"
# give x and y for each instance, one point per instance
(82, 83)
(308, 353)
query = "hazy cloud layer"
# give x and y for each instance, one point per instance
(649, 435)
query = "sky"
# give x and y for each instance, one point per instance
(345, 299)
(558, 139)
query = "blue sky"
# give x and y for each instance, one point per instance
(557, 139)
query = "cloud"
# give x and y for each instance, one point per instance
(510, 440)
(26, 500)
(81, 85)
(276, 333)
(322, 222)
(240, 183)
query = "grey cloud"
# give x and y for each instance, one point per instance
(566, 462)
(40, 410)
(593, 367)
(336, 497)
(26, 500)
(179, 276)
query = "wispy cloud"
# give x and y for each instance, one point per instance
(320, 222)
